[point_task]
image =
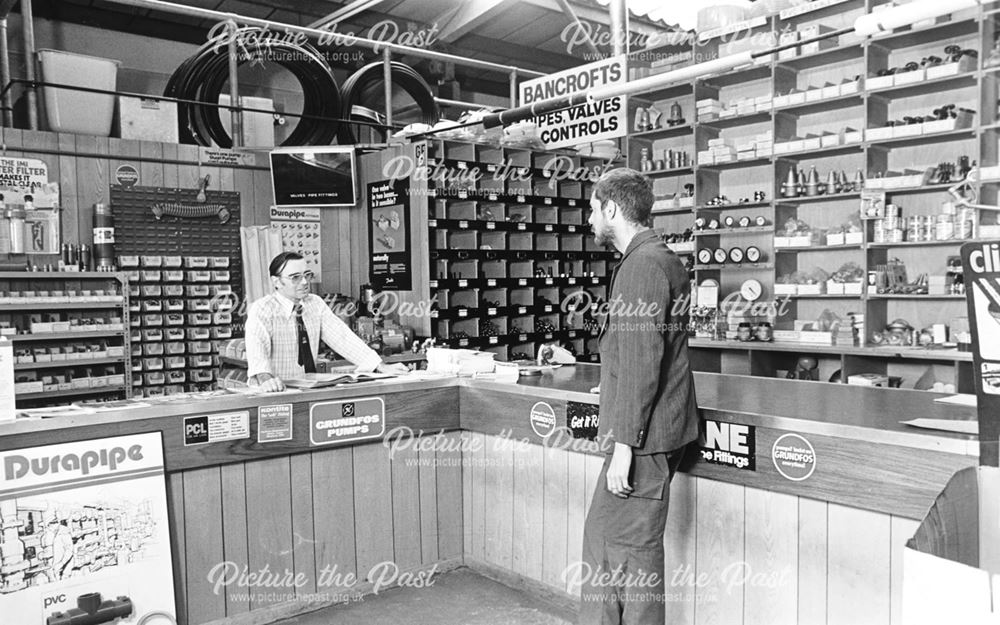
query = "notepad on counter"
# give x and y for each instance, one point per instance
(320, 380)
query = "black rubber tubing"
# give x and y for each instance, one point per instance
(203, 76)
(403, 76)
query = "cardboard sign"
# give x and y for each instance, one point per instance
(981, 271)
(584, 123)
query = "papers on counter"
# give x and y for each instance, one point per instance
(962, 399)
(945, 425)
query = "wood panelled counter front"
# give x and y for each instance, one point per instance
(742, 546)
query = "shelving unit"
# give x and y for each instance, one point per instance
(977, 88)
(71, 340)
(503, 253)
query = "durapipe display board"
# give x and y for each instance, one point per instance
(84, 534)
(313, 176)
(981, 274)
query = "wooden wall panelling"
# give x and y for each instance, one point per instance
(576, 496)
(427, 471)
(345, 245)
(269, 521)
(468, 458)
(478, 494)
(770, 575)
(263, 193)
(92, 180)
(505, 455)
(451, 498)
(170, 170)
(900, 531)
(151, 168)
(303, 523)
(372, 507)
(812, 573)
(858, 569)
(406, 508)
(45, 141)
(67, 190)
(492, 512)
(204, 551)
(175, 513)
(234, 530)
(679, 550)
(720, 544)
(554, 546)
(333, 514)
(528, 519)
(243, 182)
(188, 174)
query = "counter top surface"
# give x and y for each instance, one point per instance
(834, 409)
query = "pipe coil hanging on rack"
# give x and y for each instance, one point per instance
(203, 76)
(371, 75)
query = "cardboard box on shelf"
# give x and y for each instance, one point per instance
(147, 119)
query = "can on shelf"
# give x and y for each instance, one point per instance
(913, 227)
(894, 236)
(944, 229)
(965, 223)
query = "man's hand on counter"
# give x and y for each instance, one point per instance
(268, 383)
(398, 368)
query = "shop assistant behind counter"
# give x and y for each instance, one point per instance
(284, 329)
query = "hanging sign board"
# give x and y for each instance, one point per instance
(981, 271)
(85, 533)
(584, 123)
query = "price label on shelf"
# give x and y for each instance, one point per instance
(521, 310)
(522, 226)
(548, 280)
(571, 202)
(571, 228)
(433, 284)
(491, 167)
(491, 225)
(548, 201)
(463, 283)
(491, 282)
(463, 342)
(434, 314)
(572, 334)
(548, 227)
(463, 224)
(463, 194)
(595, 280)
(463, 312)
(520, 198)
(522, 282)
(492, 197)
(523, 171)
(522, 337)
(493, 340)
(462, 165)
(548, 308)
(491, 311)
(432, 223)
(548, 337)
(572, 280)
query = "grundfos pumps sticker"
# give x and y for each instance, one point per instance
(341, 421)
(793, 457)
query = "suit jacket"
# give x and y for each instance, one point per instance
(647, 389)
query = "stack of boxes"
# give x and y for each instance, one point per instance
(759, 146)
(181, 313)
(708, 109)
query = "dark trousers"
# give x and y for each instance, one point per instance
(623, 568)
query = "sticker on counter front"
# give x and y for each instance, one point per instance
(274, 423)
(793, 457)
(333, 422)
(729, 444)
(215, 428)
(582, 419)
(543, 419)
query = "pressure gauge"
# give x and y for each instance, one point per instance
(736, 255)
(729, 221)
(713, 224)
(751, 290)
(720, 255)
(704, 256)
(753, 254)
(761, 220)
(745, 221)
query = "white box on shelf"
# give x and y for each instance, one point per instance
(816, 338)
(853, 136)
(830, 140)
(835, 238)
(848, 88)
(852, 288)
(814, 94)
(800, 241)
(797, 145)
(798, 97)
(786, 336)
(725, 158)
(782, 241)
(989, 173)
(879, 134)
(780, 101)
(907, 130)
(834, 288)
(784, 289)
(730, 112)
(965, 64)
(763, 102)
(879, 82)
(782, 148)
(147, 119)
(812, 143)
(868, 379)
(764, 152)
(853, 238)
(748, 155)
(938, 125)
(908, 78)
(831, 91)
(686, 202)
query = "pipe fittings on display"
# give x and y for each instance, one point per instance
(91, 610)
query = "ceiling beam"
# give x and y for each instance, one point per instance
(468, 16)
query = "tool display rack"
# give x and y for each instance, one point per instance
(974, 87)
(486, 240)
(63, 349)
(180, 314)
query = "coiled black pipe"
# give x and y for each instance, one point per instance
(371, 75)
(203, 76)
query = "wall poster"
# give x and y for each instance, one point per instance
(391, 262)
(84, 533)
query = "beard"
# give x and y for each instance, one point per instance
(604, 236)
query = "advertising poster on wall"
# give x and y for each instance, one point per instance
(981, 272)
(301, 232)
(84, 533)
(391, 266)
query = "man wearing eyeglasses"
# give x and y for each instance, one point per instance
(284, 329)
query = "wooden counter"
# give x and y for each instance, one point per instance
(492, 492)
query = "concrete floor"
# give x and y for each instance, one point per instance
(459, 597)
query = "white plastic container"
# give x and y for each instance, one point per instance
(78, 111)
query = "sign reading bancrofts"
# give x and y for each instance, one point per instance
(584, 123)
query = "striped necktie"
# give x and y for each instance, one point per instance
(305, 351)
